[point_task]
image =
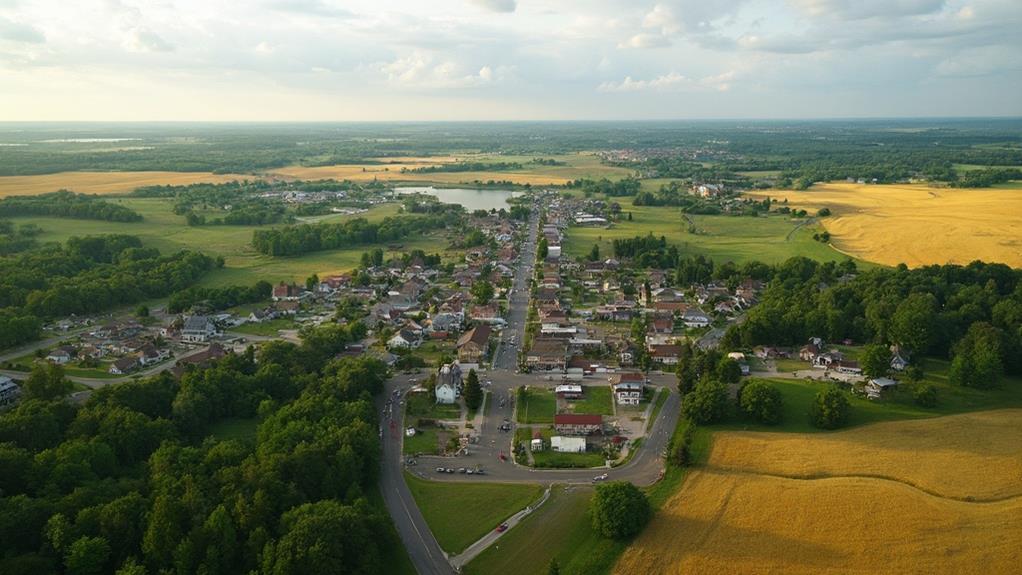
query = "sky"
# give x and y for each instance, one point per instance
(389, 60)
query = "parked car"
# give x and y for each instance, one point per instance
(502, 528)
(439, 469)
(462, 470)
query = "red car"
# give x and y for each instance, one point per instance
(502, 528)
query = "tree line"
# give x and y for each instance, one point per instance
(219, 298)
(305, 238)
(132, 482)
(67, 204)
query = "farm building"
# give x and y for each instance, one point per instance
(877, 386)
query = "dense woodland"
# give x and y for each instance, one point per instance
(65, 204)
(218, 298)
(305, 238)
(132, 481)
(87, 275)
(14, 239)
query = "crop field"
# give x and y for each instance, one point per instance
(459, 514)
(724, 238)
(104, 182)
(847, 502)
(916, 224)
(576, 166)
(164, 230)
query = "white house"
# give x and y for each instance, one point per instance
(403, 339)
(61, 355)
(695, 318)
(568, 444)
(198, 329)
(628, 392)
(446, 393)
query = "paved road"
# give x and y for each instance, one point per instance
(505, 357)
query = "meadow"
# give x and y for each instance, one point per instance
(168, 232)
(459, 514)
(847, 502)
(916, 224)
(104, 182)
(770, 239)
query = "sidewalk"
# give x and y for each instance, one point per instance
(490, 538)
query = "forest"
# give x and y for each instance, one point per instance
(305, 238)
(65, 204)
(133, 482)
(219, 298)
(87, 275)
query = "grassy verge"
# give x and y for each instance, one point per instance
(553, 459)
(536, 405)
(425, 441)
(422, 405)
(661, 399)
(460, 513)
(597, 399)
(396, 559)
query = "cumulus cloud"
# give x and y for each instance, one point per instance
(670, 82)
(311, 7)
(496, 5)
(18, 32)
(422, 70)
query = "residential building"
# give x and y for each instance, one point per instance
(61, 355)
(474, 344)
(578, 424)
(404, 339)
(568, 391)
(198, 329)
(548, 354)
(9, 391)
(125, 365)
(628, 393)
(877, 386)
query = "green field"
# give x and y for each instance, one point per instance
(422, 405)
(724, 238)
(459, 514)
(596, 399)
(267, 328)
(168, 232)
(536, 405)
(556, 460)
(798, 395)
(426, 441)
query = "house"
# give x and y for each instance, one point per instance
(287, 308)
(628, 392)
(404, 339)
(809, 352)
(567, 444)
(261, 315)
(9, 391)
(149, 354)
(548, 354)
(898, 362)
(568, 391)
(201, 359)
(877, 386)
(61, 355)
(125, 365)
(578, 423)
(449, 377)
(474, 344)
(665, 354)
(661, 326)
(198, 328)
(286, 292)
(695, 318)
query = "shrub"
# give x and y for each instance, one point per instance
(925, 395)
(829, 409)
(707, 403)
(762, 402)
(619, 510)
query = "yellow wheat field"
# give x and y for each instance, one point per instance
(918, 225)
(104, 182)
(886, 498)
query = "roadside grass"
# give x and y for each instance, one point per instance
(238, 428)
(798, 396)
(723, 238)
(459, 514)
(791, 365)
(396, 559)
(536, 405)
(266, 328)
(596, 399)
(548, 459)
(661, 399)
(426, 441)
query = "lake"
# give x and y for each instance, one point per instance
(470, 199)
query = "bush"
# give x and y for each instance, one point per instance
(762, 402)
(619, 510)
(707, 403)
(680, 449)
(925, 395)
(829, 409)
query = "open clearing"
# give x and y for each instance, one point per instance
(848, 502)
(916, 224)
(739, 239)
(105, 182)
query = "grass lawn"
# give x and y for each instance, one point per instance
(791, 365)
(740, 239)
(267, 328)
(425, 441)
(422, 405)
(242, 429)
(536, 405)
(596, 399)
(459, 514)
(554, 459)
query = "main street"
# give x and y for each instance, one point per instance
(491, 451)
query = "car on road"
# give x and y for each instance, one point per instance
(600, 478)
(462, 470)
(449, 470)
(502, 528)
(439, 469)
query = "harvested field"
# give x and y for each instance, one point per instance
(891, 497)
(916, 224)
(104, 182)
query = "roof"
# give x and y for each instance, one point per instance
(666, 351)
(628, 386)
(568, 388)
(631, 376)
(478, 335)
(196, 323)
(126, 362)
(577, 419)
(884, 382)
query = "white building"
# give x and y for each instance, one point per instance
(628, 393)
(198, 329)
(446, 393)
(568, 444)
